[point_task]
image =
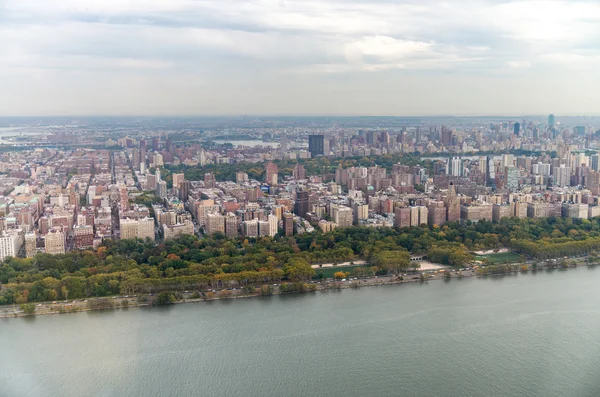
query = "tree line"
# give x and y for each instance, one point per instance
(218, 262)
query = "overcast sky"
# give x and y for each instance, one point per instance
(353, 57)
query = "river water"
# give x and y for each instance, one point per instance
(521, 335)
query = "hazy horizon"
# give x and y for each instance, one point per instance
(144, 58)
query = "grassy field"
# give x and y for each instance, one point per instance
(509, 257)
(329, 271)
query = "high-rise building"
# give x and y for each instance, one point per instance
(579, 130)
(155, 141)
(361, 212)
(161, 189)
(455, 166)
(184, 190)
(150, 182)
(288, 224)
(178, 229)
(299, 172)
(142, 152)
(341, 215)
(209, 180)
(301, 207)
(137, 228)
(511, 178)
(177, 179)
(273, 225)
(271, 173)
(517, 128)
(446, 136)
(452, 205)
(436, 213)
(241, 177)
(232, 225)
(500, 211)
(551, 120)
(562, 176)
(54, 242)
(215, 222)
(250, 228)
(594, 162)
(146, 228)
(402, 217)
(30, 245)
(316, 145)
(10, 243)
(83, 236)
(123, 198)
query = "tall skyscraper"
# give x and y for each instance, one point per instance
(551, 120)
(446, 136)
(371, 135)
(489, 169)
(143, 152)
(316, 145)
(455, 166)
(594, 161)
(301, 206)
(288, 224)
(517, 128)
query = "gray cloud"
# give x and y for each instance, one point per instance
(232, 56)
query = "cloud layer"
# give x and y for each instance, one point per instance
(298, 57)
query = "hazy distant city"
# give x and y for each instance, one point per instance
(71, 184)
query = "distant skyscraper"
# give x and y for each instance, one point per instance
(455, 166)
(595, 161)
(517, 128)
(155, 141)
(580, 130)
(316, 145)
(142, 151)
(371, 135)
(488, 170)
(551, 120)
(446, 136)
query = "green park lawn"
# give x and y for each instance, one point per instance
(328, 272)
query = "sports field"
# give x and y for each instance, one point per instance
(509, 257)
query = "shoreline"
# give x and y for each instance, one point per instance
(417, 277)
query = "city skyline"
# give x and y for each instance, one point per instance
(298, 58)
